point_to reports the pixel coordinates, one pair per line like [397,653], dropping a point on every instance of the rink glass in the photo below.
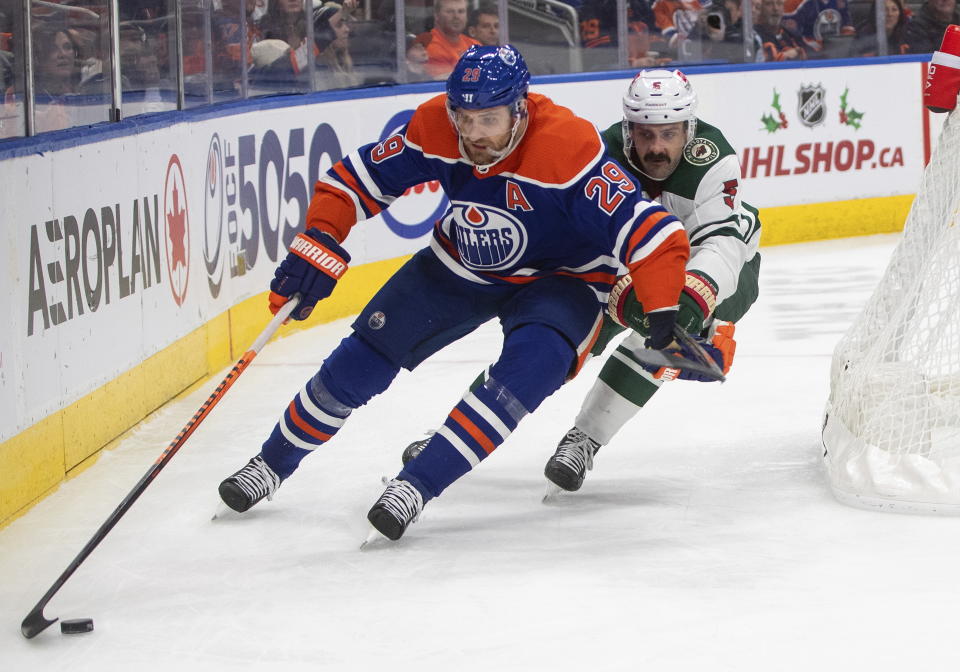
[179,54]
[72,65]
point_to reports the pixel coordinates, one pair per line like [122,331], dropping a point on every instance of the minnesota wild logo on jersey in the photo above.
[701,151]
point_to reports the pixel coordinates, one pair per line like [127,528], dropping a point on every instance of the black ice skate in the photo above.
[416,448]
[568,466]
[398,506]
[248,486]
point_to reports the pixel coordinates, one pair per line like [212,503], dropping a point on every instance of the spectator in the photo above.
[416,58]
[331,32]
[194,45]
[598,29]
[7,75]
[824,25]
[57,68]
[675,20]
[720,31]
[897,19]
[56,78]
[139,68]
[144,9]
[484,25]
[229,49]
[90,35]
[925,31]
[285,20]
[779,42]
[446,41]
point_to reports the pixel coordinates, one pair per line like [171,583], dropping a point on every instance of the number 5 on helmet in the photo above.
[313,265]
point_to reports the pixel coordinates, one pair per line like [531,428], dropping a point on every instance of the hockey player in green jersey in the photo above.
[693,171]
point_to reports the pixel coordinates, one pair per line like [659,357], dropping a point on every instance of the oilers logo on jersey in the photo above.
[487,238]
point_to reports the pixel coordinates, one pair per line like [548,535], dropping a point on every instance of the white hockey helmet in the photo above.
[659,97]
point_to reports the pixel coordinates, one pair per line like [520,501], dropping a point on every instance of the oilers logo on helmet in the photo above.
[488,239]
[508,55]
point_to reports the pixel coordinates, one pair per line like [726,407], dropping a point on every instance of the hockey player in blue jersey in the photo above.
[540,219]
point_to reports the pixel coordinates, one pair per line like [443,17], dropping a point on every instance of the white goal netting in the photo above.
[892,428]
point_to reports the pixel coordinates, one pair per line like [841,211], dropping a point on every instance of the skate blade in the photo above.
[374,540]
[552,493]
[224,512]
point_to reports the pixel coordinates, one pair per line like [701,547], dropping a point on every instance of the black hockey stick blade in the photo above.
[658,358]
[36,622]
[689,342]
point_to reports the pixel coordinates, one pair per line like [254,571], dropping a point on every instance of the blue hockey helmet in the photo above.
[488,76]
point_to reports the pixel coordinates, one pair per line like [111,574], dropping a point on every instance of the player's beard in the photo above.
[484,155]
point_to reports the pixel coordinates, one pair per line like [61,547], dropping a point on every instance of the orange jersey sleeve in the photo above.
[658,274]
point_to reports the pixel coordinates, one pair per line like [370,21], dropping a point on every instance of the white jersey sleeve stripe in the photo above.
[339,186]
[445,159]
[360,170]
[625,231]
[651,245]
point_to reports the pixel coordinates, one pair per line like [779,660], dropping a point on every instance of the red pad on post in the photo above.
[943,74]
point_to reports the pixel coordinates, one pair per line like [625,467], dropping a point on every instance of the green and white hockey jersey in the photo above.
[704,193]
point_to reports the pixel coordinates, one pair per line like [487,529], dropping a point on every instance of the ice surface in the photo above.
[705,539]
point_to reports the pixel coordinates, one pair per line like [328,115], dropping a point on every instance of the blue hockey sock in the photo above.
[352,374]
[534,362]
[482,420]
[310,420]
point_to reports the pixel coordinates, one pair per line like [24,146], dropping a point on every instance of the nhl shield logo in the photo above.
[811,105]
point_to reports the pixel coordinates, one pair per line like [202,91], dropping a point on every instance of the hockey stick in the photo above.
[690,343]
[35,622]
[704,364]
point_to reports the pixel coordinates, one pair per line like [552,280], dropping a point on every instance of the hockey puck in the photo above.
[76,626]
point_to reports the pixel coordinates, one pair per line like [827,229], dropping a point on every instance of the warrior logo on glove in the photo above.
[312,267]
[319,256]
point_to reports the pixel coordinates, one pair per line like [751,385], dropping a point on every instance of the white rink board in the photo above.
[826,161]
[241,189]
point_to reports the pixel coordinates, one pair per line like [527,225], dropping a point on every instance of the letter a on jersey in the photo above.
[515,198]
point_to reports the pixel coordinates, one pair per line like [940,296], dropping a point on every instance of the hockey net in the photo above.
[891,433]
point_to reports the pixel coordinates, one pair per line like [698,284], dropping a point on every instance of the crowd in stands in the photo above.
[683,31]
[275,45]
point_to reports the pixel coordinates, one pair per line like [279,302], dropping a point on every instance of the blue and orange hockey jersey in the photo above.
[557,204]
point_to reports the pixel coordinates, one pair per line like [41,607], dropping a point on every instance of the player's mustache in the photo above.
[650,156]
